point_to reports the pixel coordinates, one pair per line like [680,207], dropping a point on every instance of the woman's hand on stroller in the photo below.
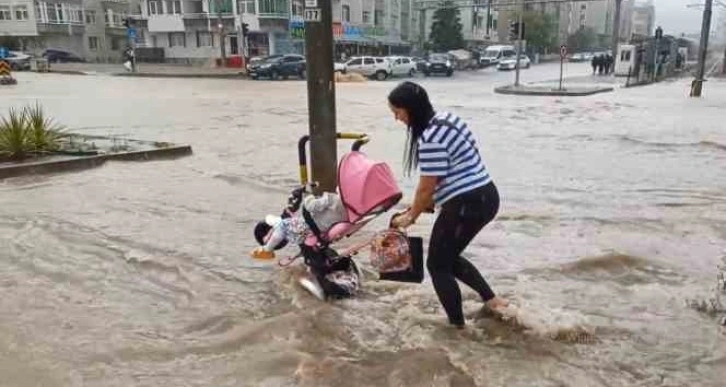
[402,219]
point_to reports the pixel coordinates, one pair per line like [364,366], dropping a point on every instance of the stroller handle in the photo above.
[360,140]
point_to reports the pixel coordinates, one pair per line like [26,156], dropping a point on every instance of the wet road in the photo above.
[613,213]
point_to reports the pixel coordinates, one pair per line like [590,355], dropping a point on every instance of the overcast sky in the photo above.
[675,18]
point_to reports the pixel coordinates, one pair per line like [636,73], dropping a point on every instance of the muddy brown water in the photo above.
[614,212]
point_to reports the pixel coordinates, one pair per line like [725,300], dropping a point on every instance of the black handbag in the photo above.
[415,272]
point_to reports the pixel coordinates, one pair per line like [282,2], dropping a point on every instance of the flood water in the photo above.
[613,214]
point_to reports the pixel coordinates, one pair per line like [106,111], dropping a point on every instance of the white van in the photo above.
[493,54]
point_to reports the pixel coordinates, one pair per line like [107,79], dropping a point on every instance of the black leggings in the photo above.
[461,218]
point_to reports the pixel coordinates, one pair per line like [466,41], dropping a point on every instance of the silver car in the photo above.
[18,60]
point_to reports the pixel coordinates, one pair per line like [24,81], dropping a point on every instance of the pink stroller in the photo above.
[367,189]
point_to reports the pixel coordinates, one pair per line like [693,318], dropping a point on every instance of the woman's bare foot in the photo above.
[497,304]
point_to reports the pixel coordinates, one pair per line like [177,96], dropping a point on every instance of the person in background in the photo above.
[453,176]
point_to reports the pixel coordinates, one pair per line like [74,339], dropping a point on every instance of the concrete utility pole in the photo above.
[321,93]
[616,28]
[697,85]
[422,27]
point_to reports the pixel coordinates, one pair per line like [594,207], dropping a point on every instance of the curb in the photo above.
[509,90]
[238,76]
[63,72]
[81,163]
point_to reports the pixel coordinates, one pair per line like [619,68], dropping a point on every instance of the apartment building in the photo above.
[644,19]
[474,20]
[190,30]
[88,28]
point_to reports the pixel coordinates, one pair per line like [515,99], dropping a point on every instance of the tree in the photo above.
[446,29]
[540,31]
[584,39]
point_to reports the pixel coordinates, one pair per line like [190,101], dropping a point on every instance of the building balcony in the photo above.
[115,29]
[274,15]
[166,23]
[210,15]
[61,28]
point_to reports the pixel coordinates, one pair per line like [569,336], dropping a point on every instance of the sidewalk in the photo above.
[147,70]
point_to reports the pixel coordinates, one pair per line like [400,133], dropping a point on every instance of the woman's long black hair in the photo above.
[414,99]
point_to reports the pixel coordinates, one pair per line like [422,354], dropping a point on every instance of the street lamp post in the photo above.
[616,28]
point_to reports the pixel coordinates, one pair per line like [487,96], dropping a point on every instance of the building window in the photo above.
[378,18]
[297,8]
[274,7]
[154,7]
[76,16]
[173,7]
[5,13]
[117,19]
[154,41]
[21,12]
[177,39]
[346,13]
[116,43]
[204,39]
[366,17]
[90,17]
[92,43]
[55,13]
[248,6]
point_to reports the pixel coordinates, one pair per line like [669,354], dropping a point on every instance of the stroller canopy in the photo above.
[366,187]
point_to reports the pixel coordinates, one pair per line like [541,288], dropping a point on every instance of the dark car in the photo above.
[439,64]
[420,64]
[61,56]
[280,66]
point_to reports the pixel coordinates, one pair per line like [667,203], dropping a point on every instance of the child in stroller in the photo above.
[366,190]
[334,276]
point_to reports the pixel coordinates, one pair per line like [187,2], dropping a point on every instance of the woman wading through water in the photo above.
[454,178]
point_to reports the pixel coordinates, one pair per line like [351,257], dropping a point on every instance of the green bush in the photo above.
[27,133]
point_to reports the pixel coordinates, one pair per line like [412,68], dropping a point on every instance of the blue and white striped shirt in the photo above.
[449,151]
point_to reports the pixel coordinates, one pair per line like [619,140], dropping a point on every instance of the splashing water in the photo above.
[715,304]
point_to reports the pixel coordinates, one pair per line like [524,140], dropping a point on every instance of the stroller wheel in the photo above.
[311,285]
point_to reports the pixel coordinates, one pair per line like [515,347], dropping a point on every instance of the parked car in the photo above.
[378,68]
[401,65]
[510,63]
[493,54]
[463,60]
[279,66]
[439,64]
[339,67]
[581,57]
[61,56]
[420,64]
[18,60]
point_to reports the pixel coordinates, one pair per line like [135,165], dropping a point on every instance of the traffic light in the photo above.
[514,30]
[245,29]
[659,33]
